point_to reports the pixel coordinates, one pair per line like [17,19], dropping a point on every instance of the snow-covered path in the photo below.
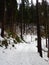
[23,54]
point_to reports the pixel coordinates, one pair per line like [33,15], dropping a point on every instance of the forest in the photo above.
[23,18]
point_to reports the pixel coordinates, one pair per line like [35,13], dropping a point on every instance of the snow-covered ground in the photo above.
[22,53]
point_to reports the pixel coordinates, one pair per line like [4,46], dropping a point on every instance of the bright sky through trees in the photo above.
[34,1]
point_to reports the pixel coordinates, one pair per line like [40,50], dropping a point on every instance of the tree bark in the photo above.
[48,38]
[2,29]
[46,35]
[38,30]
[2,25]
[24,28]
[21,31]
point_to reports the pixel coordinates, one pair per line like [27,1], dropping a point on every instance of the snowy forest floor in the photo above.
[22,53]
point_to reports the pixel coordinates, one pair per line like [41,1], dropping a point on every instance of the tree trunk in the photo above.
[2,29]
[2,26]
[48,45]
[13,18]
[24,28]
[39,40]
[38,30]
[21,31]
[48,38]
[46,35]
[46,41]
